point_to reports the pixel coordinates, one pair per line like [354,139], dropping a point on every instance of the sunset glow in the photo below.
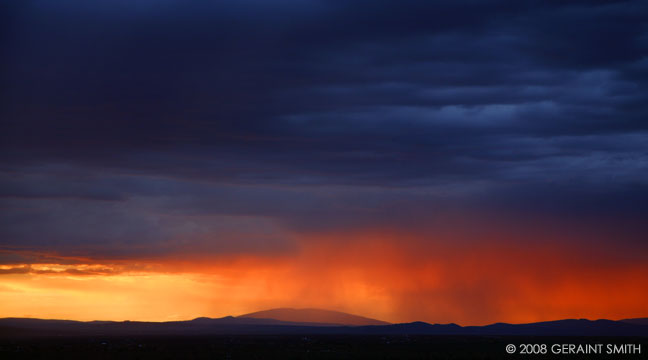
[404,161]
[374,277]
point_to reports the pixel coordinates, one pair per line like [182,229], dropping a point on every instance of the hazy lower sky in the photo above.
[406,160]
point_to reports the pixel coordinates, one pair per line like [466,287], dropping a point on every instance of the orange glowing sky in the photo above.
[368,274]
[401,160]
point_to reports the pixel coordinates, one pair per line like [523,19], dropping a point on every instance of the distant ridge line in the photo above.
[12,327]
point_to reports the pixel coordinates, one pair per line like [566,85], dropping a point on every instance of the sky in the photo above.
[439,161]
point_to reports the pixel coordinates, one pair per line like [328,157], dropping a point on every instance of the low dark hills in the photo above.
[640,321]
[251,324]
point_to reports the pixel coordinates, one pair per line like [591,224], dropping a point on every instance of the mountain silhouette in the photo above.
[318,322]
[310,315]
[638,321]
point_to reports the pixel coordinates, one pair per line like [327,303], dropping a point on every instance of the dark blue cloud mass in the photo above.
[137,127]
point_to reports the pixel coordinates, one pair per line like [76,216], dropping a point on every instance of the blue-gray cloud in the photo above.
[235,126]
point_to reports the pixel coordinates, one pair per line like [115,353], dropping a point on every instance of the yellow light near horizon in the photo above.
[232,289]
[150,297]
[381,280]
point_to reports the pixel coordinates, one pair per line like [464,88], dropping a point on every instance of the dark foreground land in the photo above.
[300,347]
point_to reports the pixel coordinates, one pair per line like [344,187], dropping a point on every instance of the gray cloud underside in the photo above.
[152,127]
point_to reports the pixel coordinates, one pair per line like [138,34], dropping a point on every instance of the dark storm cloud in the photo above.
[128,125]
